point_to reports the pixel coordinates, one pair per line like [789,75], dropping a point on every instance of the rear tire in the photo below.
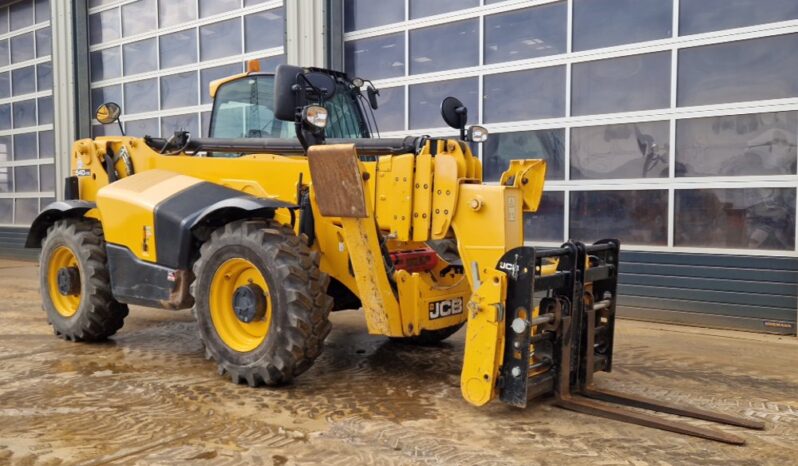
[89,312]
[291,307]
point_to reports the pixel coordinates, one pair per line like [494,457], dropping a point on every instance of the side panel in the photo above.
[134,281]
[127,207]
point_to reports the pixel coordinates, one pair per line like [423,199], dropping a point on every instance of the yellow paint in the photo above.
[62,257]
[422,197]
[528,176]
[444,194]
[127,208]
[394,196]
[500,208]
[418,291]
[239,336]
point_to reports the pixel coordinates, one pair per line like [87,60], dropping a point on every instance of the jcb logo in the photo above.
[445,308]
[508,267]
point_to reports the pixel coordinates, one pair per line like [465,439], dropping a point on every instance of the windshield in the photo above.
[244,108]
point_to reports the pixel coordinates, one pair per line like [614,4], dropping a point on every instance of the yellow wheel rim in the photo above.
[65,305]
[239,335]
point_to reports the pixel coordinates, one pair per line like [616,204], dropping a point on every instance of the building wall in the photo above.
[670,125]
[156,58]
[27,173]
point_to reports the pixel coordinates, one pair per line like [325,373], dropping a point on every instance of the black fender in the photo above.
[53,212]
[179,218]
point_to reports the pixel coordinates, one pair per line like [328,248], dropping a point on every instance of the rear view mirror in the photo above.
[295,88]
[108,113]
[455,114]
[372,93]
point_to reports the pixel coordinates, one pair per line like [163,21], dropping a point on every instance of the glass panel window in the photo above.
[604,23]
[421,8]
[3,20]
[208,75]
[25,211]
[253,2]
[21,14]
[363,14]
[529,33]
[106,64]
[26,179]
[4,56]
[23,80]
[444,47]
[425,101]
[46,144]
[220,39]
[640,82]
[633,150]
[748,218]
[105,130]
[5,186]
[376,57]
[141,96]
[140,57]
[24,113]
[270,64]
[43,42]
[44,76]
[390,114]
[47,177]
[264,30]
[174,12]
[42,10]
[737,145]
[179,90]
[5,116]
[755,69]
[545,97]
[696,16]
[45,111]
[25,146]
[5,85]
[206,124]
[104,26]
[22,48]
[178,48]
[5,149]
[6,205]
[546,144]
[138,17]
[141,128]
[106,94]
[215,7]
[634,216]
[188,123]
[548,222]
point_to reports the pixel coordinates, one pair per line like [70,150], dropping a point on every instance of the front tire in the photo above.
[260,302]
[75,282]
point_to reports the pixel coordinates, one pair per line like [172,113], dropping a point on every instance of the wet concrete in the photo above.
[149,397]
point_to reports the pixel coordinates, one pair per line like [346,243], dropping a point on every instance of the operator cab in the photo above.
[244,106]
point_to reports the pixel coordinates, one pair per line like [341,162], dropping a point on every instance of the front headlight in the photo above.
[477,134]
[315,115]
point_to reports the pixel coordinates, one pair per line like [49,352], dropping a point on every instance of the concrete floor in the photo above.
[149,397]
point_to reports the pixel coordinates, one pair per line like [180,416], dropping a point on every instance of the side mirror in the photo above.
[296,88]
[455,114]
[372,94]
[108,113]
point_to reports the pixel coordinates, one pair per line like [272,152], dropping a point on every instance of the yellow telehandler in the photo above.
[291,209]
